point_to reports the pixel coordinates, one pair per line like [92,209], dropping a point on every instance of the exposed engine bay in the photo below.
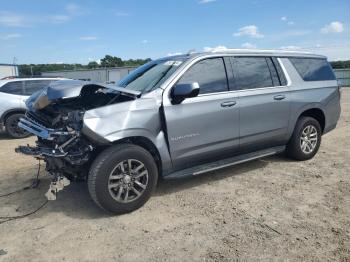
[55,115]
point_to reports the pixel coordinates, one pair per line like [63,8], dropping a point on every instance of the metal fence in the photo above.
[343,75]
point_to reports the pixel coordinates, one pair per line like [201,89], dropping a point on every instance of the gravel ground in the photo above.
[269,209]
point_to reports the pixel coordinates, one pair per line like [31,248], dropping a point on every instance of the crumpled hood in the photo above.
[65,89]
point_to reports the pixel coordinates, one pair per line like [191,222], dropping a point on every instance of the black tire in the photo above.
[12,128]
[106,163]
[294,147]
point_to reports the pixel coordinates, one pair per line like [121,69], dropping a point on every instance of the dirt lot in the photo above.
[270,209]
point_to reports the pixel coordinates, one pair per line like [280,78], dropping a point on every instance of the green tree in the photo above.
[340,64]
[27,70]
[93,64]
[111,61]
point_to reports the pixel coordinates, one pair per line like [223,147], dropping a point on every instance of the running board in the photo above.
[208,167]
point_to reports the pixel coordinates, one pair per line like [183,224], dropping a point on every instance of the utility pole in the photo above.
[15,69]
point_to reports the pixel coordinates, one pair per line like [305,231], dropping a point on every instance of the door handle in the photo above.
[228,104]
[279,97]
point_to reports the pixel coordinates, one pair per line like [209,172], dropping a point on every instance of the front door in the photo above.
[204,127]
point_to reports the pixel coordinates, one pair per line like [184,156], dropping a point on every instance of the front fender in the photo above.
[136,118]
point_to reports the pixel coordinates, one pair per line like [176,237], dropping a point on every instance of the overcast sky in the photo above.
[81,31]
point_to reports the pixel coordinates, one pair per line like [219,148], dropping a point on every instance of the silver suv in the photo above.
[181,116]
[13,93]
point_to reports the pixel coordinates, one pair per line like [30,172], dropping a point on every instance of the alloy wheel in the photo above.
[128,180]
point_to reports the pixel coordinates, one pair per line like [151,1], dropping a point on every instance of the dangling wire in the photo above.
[34,184]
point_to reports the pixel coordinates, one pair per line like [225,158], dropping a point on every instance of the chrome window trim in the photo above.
[171,81]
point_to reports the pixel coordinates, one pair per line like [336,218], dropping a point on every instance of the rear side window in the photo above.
[210,75]
[15,88]
[31,86]
[251,72]
[313,69]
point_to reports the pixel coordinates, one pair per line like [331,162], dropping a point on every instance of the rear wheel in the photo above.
[306,139]
[12,128]
[122,178]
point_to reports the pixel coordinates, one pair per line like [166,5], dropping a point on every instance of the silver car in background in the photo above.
[181,116]
[13,93]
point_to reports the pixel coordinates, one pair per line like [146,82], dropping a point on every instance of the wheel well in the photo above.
[317,114]
[11,112]
[148,145]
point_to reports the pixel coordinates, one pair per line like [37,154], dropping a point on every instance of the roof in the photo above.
[274,52]
[27,79]
[271,52]
[7,64]
[91,69]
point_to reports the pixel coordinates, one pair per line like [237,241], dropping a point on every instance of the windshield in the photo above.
[150,76]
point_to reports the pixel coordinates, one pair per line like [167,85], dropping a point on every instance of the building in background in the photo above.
[343,76]
[99,75]
[8,70]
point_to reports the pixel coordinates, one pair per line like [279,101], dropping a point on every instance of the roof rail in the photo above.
[246,50]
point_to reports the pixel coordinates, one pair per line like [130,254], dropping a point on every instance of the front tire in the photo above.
[122,178]
[306,139]
[12,128]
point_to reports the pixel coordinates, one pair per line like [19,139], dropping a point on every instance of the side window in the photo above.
[210,75]
[31,86]
[313,69]
[15,88]
[251,72]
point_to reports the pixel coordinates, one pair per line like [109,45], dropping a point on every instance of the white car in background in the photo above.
[13,94]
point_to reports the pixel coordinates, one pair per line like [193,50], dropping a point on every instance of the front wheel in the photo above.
[306,139]
[122,178]
[12,128]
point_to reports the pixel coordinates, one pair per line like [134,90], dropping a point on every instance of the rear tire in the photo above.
[306,139]
[12,128]
[122,178]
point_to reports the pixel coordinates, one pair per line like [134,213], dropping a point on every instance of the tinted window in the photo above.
[251,72]
[313,69]
[15,88]
[209,73]
[32,86]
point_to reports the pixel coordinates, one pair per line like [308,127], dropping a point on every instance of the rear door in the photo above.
[264,102]
[206,126]
[10,96]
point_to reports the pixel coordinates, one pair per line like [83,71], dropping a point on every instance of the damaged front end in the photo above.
[55,115]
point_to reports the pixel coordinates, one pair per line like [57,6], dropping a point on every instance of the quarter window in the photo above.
[15,88]
[313,69]
[210,75]
[251,72]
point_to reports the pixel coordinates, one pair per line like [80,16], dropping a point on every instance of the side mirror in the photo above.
[182,91]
